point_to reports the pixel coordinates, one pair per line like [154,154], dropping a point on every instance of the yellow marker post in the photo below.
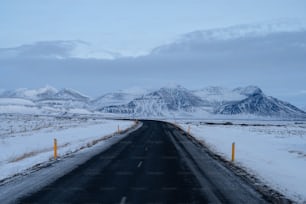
[233,151]
[55,149]
[189,130]
[118,131]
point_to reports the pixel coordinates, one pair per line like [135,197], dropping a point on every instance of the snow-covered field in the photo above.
[275,152]
[27,140]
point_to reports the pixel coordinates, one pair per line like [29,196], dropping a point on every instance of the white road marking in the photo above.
[123,200]
[139,165]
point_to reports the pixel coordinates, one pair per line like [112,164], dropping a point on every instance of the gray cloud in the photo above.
[44,49]
[60,49]
[269,47]
[245,30]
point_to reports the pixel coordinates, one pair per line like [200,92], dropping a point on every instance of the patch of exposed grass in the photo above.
[34,153]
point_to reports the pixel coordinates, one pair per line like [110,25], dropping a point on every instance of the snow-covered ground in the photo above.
[275,152]
[27,140]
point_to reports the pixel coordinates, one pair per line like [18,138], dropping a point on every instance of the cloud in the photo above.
[246,30]
[59,49]
[44,49]
[87,52]
[262,40]
[239,42]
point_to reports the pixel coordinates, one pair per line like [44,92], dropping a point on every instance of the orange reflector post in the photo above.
[233,151]
[55,149]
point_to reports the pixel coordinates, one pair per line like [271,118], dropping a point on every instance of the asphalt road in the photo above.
[155,164]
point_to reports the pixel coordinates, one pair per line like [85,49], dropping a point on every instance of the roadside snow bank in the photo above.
[275,153]
[21,151]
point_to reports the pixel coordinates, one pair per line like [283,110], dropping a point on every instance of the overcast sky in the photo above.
[97,46]
[133,26]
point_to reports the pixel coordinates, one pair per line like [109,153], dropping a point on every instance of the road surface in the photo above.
[155,164]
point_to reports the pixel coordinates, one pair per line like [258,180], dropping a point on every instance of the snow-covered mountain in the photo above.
[171,101]
[44,100]
[64,99]
[69,94]
[31,94]
[118,98]
[257,103]
[248,91]
[46,93]
[218,95]
[161,102]
[177,100]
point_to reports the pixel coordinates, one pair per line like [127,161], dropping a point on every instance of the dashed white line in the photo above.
[139,165]
[123,200]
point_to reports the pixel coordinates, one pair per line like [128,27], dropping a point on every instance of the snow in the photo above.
[16,101]
[32,93]
[29,93]
[120,97]
[53,106]
[273,151]
[26,141]
[19,109]
[80,111]
[137,102]
[218,94]
[112,99]
[247,91]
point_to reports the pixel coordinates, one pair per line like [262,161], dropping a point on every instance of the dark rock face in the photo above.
[159,103]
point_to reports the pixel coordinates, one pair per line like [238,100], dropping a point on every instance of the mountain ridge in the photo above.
[163,102]
[260,104]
